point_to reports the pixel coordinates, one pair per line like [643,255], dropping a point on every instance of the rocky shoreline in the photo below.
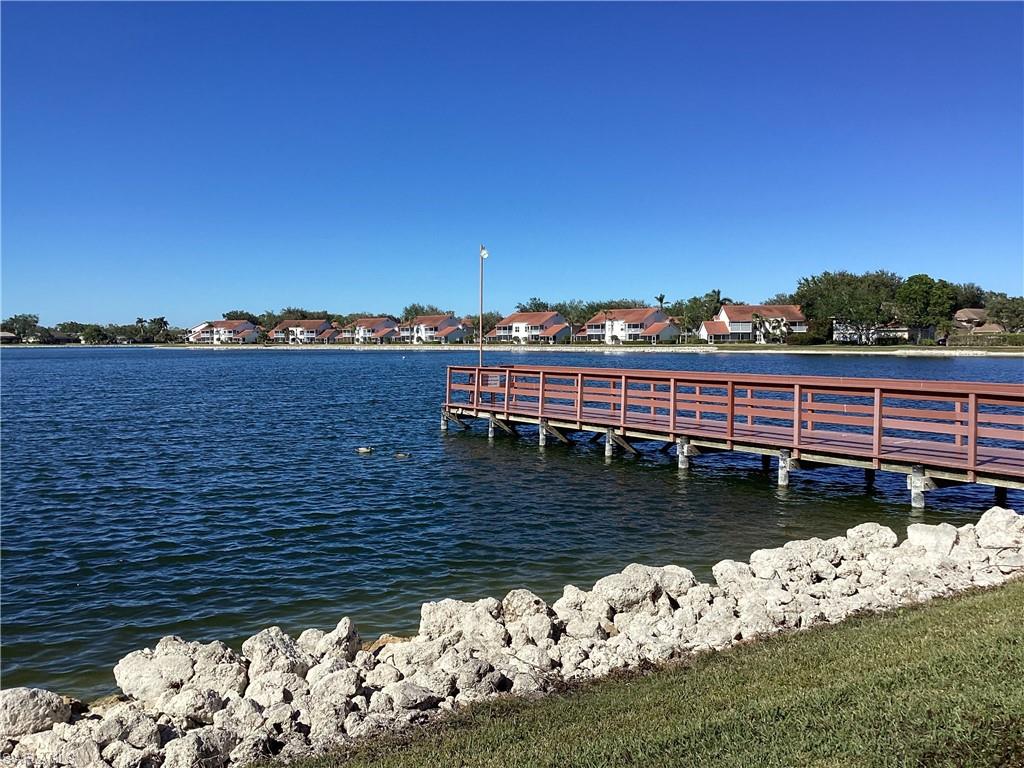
[189,704]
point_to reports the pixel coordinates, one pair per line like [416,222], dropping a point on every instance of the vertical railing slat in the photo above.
[798,397]
[622,415]
[972,435]
[876,427]
[540,396]
[672,407]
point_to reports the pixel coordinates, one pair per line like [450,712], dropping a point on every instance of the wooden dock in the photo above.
[935,432]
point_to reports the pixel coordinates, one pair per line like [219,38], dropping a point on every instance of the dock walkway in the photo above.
[936,432]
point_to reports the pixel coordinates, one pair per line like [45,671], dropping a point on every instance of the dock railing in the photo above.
[973,427]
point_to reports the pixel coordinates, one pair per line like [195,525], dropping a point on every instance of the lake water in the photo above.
[212,493]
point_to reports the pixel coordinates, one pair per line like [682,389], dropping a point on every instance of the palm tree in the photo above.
[660,298]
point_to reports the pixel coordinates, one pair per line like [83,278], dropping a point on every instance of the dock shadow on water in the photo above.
[155,492]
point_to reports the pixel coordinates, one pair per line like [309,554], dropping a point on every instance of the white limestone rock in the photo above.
[865,537]
[207,747]
[275,687]
[341,642]
[631,589]
[936,539]
[308,639]
[406,695]
[30,710]
[175,666]
[1000,528]
[273,650]
[338,686]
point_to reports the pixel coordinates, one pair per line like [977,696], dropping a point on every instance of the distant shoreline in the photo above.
[704,349]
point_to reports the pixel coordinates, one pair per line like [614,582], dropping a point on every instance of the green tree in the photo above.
[20,325]
[968,295]
[241,314]
[533,304]
[1008,311]
[416,310]
[660,298]
[95,334]
[913,302]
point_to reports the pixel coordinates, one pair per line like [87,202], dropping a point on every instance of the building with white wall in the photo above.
[760,323]
[374,330]
[530,328]
[298,331]
[224,332]
[615,326]
[428,329]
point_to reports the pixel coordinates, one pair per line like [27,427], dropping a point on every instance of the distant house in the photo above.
[333,335]
[614,326]
[427,329]
[760,323]
[298,331]
[6,337]
[224,332]
[374,330]
[530,328]
[664,332]
[975,320]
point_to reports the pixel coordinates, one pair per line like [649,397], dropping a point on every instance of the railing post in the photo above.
[798,397]
[622,416]
[540,397]
[672,406]
[961,418]
[579,397]
[876,427]
[972,435]
[508,385]
[730,405]
[476,390]
[810,406]
[448,387]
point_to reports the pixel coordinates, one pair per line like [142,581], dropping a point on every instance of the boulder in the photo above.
[175,665]
[341,642]
[406,695]
[273,650]
[207,747]
[30,710]
[128,723]
[1000,529]
[935,539]
[868,536]
[276,687]
[635,587]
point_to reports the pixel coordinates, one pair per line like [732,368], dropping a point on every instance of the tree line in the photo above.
[858,301]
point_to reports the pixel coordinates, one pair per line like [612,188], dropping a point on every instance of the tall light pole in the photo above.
[480,319]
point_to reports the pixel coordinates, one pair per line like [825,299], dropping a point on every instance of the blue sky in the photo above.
[185,159]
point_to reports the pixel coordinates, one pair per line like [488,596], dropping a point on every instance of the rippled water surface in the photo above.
[211,493]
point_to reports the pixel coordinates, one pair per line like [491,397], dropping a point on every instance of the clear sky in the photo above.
[185,159]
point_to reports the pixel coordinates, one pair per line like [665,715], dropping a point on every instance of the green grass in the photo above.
[937,685]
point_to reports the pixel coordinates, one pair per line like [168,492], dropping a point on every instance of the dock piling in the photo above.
[784,463]
[609,443]
[1000,496]
[869,477]
[918,483]
[490,428]
[444,422]
[542,434]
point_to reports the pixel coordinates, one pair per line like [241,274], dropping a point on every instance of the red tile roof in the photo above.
[229,324]
[656,328]
[430,320]
[448,330]
[309,325]
[716,327]
[554,330]
[744,313]
[371,322]
[531,318]
[385,331]
[625,315]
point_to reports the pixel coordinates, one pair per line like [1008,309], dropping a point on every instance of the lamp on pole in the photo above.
[480,319]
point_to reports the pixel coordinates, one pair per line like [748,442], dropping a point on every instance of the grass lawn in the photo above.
[936,685]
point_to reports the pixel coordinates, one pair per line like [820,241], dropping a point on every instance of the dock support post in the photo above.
[444,422]
[609,443]
[918,483]
[784,467]
[869,477]
[766,462]
[683,452]
[490,427]
[1000,496]
[542,435]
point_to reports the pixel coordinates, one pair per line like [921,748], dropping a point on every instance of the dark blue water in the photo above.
[211,493]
